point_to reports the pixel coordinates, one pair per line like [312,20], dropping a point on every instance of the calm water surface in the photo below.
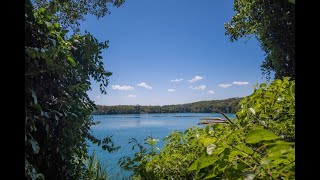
[123,127]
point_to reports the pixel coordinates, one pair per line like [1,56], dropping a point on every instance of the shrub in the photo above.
[258,144]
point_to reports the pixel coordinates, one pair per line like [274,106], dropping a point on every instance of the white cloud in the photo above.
[132,96]
[201,87]
[211,92]
[98,97]
[143,84]
[171,90]
[240,83]
[176,80]
[224,85]
[122,88]
[196,78]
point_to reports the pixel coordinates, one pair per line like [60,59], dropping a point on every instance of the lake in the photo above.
[123,127]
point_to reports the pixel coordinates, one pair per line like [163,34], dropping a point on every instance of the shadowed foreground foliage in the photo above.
[57,109]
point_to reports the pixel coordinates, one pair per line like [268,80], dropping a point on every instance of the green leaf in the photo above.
[203,162]
[35,145]
[279,150]
[72,62]
[258,135]
[206,129]
[56,25]
[41,10]
[279,143]
[245,148]
[194,166]
[206,141]
[292,1]
[211,174]
[219,150]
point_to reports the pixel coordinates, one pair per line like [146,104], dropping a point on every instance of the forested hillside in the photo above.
[226,106]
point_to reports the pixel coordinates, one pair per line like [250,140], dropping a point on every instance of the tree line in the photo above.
[227,106]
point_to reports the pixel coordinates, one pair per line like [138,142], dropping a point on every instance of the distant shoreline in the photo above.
[229,105]
[163,113]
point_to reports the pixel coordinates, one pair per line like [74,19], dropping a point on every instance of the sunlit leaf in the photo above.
[258,135]
[203,162]
[71,60]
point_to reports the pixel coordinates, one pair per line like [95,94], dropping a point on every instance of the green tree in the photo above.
[273,24]
[226,105]
[58,111]
[71,12]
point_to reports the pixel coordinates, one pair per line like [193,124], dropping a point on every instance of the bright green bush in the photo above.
[259,144]
[271,106]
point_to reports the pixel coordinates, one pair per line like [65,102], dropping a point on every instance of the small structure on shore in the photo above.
[212,120]
[215,120]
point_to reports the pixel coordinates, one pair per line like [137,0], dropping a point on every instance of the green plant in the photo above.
[58,110]
[137,163]
[258,144]
[95,170]
[272,107]
[272,22]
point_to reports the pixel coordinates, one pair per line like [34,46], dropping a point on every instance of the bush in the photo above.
[258,144]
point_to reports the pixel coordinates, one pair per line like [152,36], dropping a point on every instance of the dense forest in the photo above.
[227,106]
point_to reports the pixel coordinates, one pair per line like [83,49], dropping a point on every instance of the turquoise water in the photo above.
[123,127]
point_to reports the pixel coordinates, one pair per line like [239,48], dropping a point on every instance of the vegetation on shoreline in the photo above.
[227,106]
[259,144]
[58,70]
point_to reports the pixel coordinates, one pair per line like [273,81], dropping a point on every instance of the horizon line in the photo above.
[170,104]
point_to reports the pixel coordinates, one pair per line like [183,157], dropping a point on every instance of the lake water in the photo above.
[123,127]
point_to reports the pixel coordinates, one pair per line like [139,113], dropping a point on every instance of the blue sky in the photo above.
[153,42]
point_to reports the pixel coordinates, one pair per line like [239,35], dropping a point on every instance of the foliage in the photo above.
[71,12]
[57,109]
[226,105]
[273,24]
[138,162]
[176,156]
[272,107]
[95,170]
[256,145]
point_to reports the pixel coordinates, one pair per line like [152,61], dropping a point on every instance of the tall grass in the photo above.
[96,170]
